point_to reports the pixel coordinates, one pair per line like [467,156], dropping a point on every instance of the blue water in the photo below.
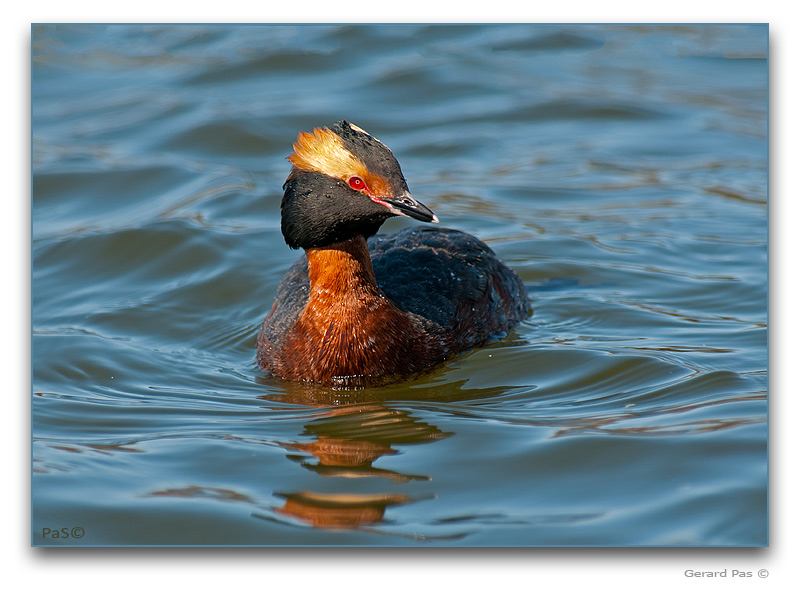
[620,170]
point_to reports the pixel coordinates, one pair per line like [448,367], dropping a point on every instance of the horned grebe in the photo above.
[359,309]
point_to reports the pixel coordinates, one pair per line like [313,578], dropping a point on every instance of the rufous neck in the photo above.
[343,266]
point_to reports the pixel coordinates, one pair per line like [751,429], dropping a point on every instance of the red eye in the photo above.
[356,183]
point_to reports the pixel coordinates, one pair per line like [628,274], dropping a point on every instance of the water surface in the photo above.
[620,170]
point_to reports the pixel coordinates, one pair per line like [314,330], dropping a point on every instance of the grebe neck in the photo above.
[348,330]
[342,270]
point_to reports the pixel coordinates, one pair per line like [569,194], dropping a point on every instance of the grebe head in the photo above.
[343,183]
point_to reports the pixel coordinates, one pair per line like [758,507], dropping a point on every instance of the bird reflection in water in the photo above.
[347,441]
[339,510]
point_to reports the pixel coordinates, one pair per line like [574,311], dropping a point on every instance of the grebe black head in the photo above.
[343,183]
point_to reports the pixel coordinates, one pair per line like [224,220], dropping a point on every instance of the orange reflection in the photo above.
[347,440]
[339,510]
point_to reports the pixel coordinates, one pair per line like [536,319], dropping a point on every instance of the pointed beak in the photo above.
[408,206]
